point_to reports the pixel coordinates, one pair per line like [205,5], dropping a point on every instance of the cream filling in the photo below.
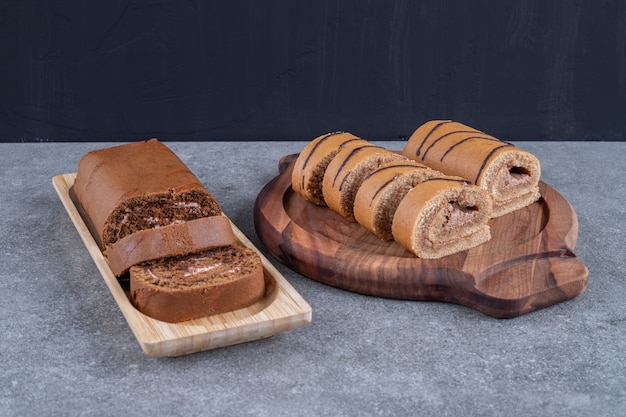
[514,178]
[192,271]
[155,222]
[192,204]
[458,216]
[450,224]
[195,270]
[508,183]
[152,274]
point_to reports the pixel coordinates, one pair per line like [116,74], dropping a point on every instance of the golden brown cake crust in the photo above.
[381,192]
[428,212]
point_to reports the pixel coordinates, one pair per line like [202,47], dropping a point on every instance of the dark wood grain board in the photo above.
[527,265]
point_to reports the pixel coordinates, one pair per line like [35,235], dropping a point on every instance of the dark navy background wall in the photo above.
[120,70]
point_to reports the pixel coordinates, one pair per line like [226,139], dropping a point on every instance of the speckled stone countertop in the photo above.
[67,350]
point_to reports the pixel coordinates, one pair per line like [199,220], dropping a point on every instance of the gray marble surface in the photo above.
[66,349]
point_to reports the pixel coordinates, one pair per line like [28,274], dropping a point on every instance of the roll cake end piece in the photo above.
[309,168]
[512,179]
[510,174]
[442,216]
[138,186]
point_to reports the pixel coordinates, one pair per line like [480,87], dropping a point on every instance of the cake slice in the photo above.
[176,239]
[441,216]
[510,174]
[346,172]
[430,213]
[308,170]
[211,282]
[382,190]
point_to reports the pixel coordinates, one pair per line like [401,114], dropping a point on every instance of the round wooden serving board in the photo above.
[528,264]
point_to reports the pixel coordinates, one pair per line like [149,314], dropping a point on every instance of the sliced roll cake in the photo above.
[176,239]
[441,216]
[138,186]
[346,172]
[426,211]
[383,189]
[510,174]
[202,284]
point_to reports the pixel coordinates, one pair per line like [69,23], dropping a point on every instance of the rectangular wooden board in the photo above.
[281,309]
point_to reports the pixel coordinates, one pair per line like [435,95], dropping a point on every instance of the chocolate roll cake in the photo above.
[198,285]
[158,223]
[308,170]
[138,186]
[511,175]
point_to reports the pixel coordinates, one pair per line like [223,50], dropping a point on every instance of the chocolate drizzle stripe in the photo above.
[493,151]
[384,168]
[324,139]
[343,163]
[348,141]
[339,147]
[488,138]
[388,167]
[306,161]
[466,182]
[382,187]
[437,126]
[445,136]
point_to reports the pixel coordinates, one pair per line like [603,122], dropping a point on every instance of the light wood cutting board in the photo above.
[527,265]
[281,308]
